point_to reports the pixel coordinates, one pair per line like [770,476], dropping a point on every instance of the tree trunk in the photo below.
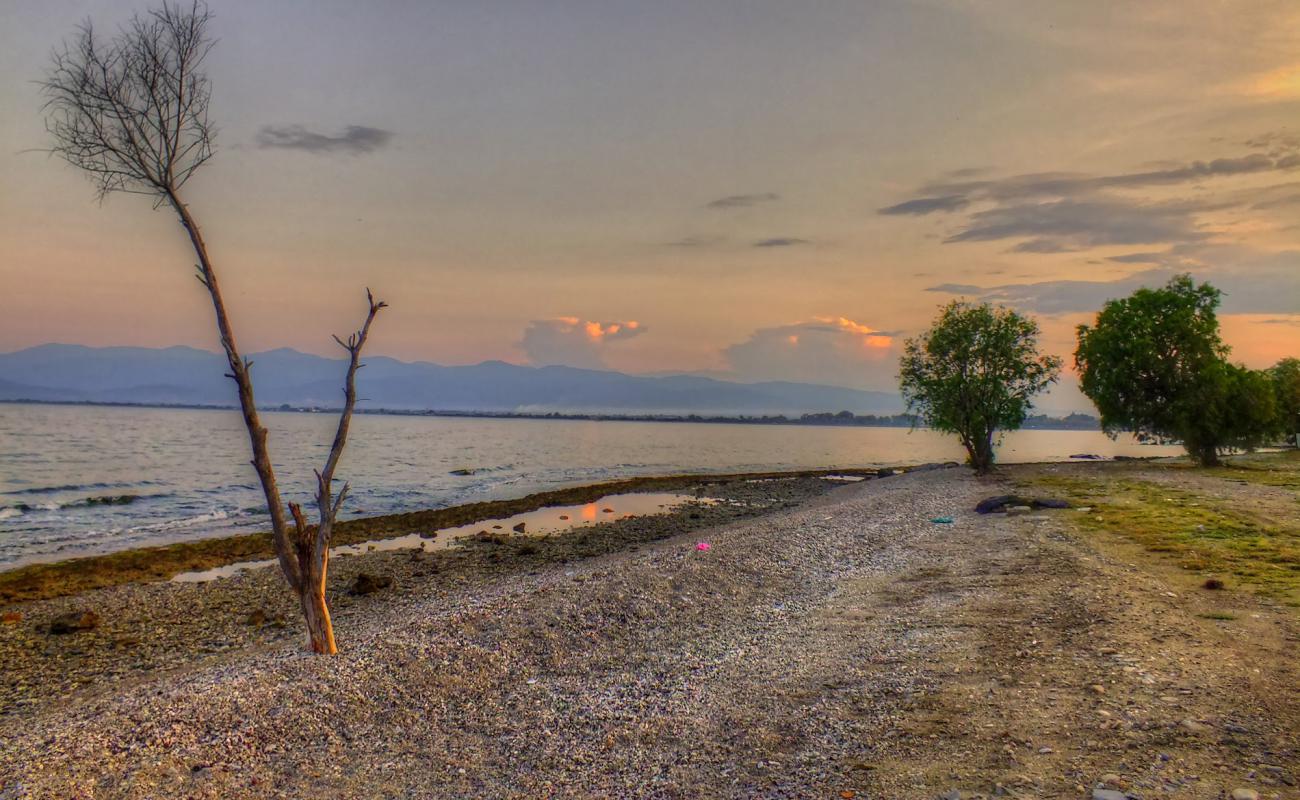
[317,615]
[304,557]
[980,453]
[239,372]
[1208,455]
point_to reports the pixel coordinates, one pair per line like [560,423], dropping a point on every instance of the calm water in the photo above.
[190,468]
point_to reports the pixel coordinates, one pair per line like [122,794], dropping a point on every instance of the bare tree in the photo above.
[133,113]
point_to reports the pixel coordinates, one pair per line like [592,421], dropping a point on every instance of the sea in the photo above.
[78,479]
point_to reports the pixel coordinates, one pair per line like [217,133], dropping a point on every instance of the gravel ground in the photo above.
[846,647]
[148,628]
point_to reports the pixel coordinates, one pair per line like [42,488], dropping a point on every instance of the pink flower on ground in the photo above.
[703,546]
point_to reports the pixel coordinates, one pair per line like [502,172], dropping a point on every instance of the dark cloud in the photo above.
[355,139]
[781,241]
[574,342]
[1139,258]
[1253,282]
[1038,185]
[1064,225]
[928,205]
[743,200]
[1054,212]
[957,288]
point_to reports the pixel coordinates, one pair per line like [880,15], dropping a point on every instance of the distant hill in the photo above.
[187,376]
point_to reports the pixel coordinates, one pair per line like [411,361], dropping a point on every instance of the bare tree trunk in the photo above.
[134,116]
[239,372]
[317,615]
[304,555]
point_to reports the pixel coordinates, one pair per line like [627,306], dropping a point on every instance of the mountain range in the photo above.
[188,376]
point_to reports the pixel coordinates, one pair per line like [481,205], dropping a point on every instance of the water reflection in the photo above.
[540,523]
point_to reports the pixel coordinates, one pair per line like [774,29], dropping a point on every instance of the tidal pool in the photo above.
[539,523]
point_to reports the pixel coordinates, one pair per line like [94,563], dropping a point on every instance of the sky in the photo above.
[748,189]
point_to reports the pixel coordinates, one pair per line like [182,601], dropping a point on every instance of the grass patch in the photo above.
[1202,534]
[1264,469]
[1219,615]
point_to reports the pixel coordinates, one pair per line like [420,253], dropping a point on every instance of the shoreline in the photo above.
[144,628]
[821,419]
[50,579]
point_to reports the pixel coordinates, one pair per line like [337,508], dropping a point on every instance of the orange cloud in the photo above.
[826,349]
[573,341]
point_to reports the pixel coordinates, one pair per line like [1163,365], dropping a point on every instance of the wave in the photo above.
[75,487]
[9,512]
[215,515]
[466,471]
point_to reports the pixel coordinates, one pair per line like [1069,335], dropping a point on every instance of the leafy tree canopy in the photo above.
[1286,386]
[974,373]
[1153,363]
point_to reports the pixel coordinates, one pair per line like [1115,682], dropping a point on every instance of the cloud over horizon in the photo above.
[354,140]
[828,350]
[574,342]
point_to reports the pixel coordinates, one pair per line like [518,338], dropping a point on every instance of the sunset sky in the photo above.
[751,189]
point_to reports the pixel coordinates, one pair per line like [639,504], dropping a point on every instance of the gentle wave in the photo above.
[75,487]
[9,512]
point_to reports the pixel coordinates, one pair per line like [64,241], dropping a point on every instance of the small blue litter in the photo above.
[942,520]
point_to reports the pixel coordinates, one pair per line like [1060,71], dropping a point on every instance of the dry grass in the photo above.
[1210,525]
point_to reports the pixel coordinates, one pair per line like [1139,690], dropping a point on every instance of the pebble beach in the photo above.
[839,644]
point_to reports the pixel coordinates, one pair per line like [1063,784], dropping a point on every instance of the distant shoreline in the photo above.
[1074,422]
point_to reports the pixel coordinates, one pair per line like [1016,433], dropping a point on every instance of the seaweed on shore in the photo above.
[145,564]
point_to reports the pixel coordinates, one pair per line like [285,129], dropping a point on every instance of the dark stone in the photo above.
[1087,456]
[365,583]
[999,502]
[461,472]
[886,473]
[1213,584]
[519,528]
[112,500]
[1050,502]
[933,466]
[74,621]
[1002,502]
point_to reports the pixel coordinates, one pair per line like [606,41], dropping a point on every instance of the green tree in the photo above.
[1286,387]
[1153,363]
[974,373]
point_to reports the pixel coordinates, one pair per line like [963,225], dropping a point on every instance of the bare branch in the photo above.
[325,477]
[133,112]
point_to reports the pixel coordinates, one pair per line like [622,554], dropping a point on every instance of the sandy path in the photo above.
[848,647]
